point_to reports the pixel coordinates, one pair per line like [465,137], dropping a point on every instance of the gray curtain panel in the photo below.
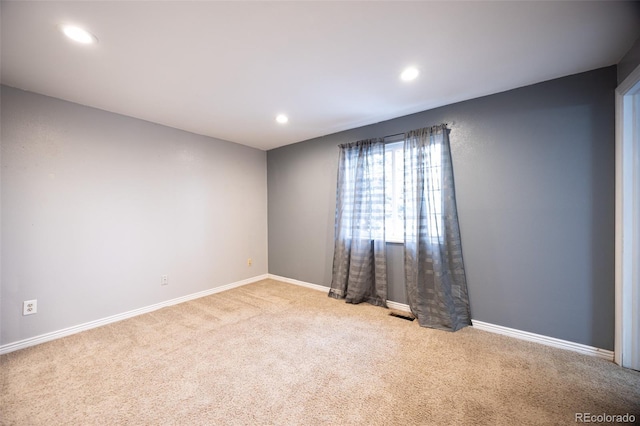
[359,259]
[433,265]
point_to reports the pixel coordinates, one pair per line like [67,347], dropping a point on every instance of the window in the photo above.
[433,191]
[394,191]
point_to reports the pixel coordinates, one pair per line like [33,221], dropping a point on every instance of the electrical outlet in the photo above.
[164,280]
[30,307]
[249,262]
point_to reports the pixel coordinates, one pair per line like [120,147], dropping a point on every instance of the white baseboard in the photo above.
[545,340]
[480,325]
[398,306]
[390,304]
[297,282]
[511,332]
[32,341]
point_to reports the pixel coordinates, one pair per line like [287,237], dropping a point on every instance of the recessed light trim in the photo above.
[79,35]
[282,119]
[409,74]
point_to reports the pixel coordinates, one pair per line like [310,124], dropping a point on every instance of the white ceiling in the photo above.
[226,69]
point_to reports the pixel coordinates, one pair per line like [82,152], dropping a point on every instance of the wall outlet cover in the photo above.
[30,307]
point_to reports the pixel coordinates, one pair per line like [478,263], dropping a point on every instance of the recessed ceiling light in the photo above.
[409,74]
[78,34]
[282,118]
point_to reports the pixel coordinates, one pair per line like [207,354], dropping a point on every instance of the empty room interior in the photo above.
[209,211]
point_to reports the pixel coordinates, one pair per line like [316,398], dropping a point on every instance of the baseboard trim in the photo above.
[47,337]
[545,340]
[398,306]
[298,282]
[480,325]
[485,326]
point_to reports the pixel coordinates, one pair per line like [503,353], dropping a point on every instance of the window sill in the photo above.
[394,241]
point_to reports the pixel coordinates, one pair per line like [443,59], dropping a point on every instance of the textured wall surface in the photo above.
[535,179]
[97,206]
[629,62]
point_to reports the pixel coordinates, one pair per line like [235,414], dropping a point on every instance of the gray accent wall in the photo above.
[535,178]
[629,62]
[97,206]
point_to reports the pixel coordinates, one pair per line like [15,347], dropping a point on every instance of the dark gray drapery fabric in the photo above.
[434,270]
[359,260]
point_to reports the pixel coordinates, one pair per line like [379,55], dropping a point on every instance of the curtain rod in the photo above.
[400,134]
[390,136]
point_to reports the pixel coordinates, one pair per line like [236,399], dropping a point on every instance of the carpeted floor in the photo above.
[279,354]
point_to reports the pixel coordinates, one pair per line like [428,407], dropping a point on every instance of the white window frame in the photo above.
[394,231]
[394,224]
[627,279]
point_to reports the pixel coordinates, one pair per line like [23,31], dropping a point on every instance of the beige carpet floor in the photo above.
[276,354]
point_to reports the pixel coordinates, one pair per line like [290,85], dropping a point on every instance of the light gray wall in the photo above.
[97,206]
[629,62]
[535,178]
